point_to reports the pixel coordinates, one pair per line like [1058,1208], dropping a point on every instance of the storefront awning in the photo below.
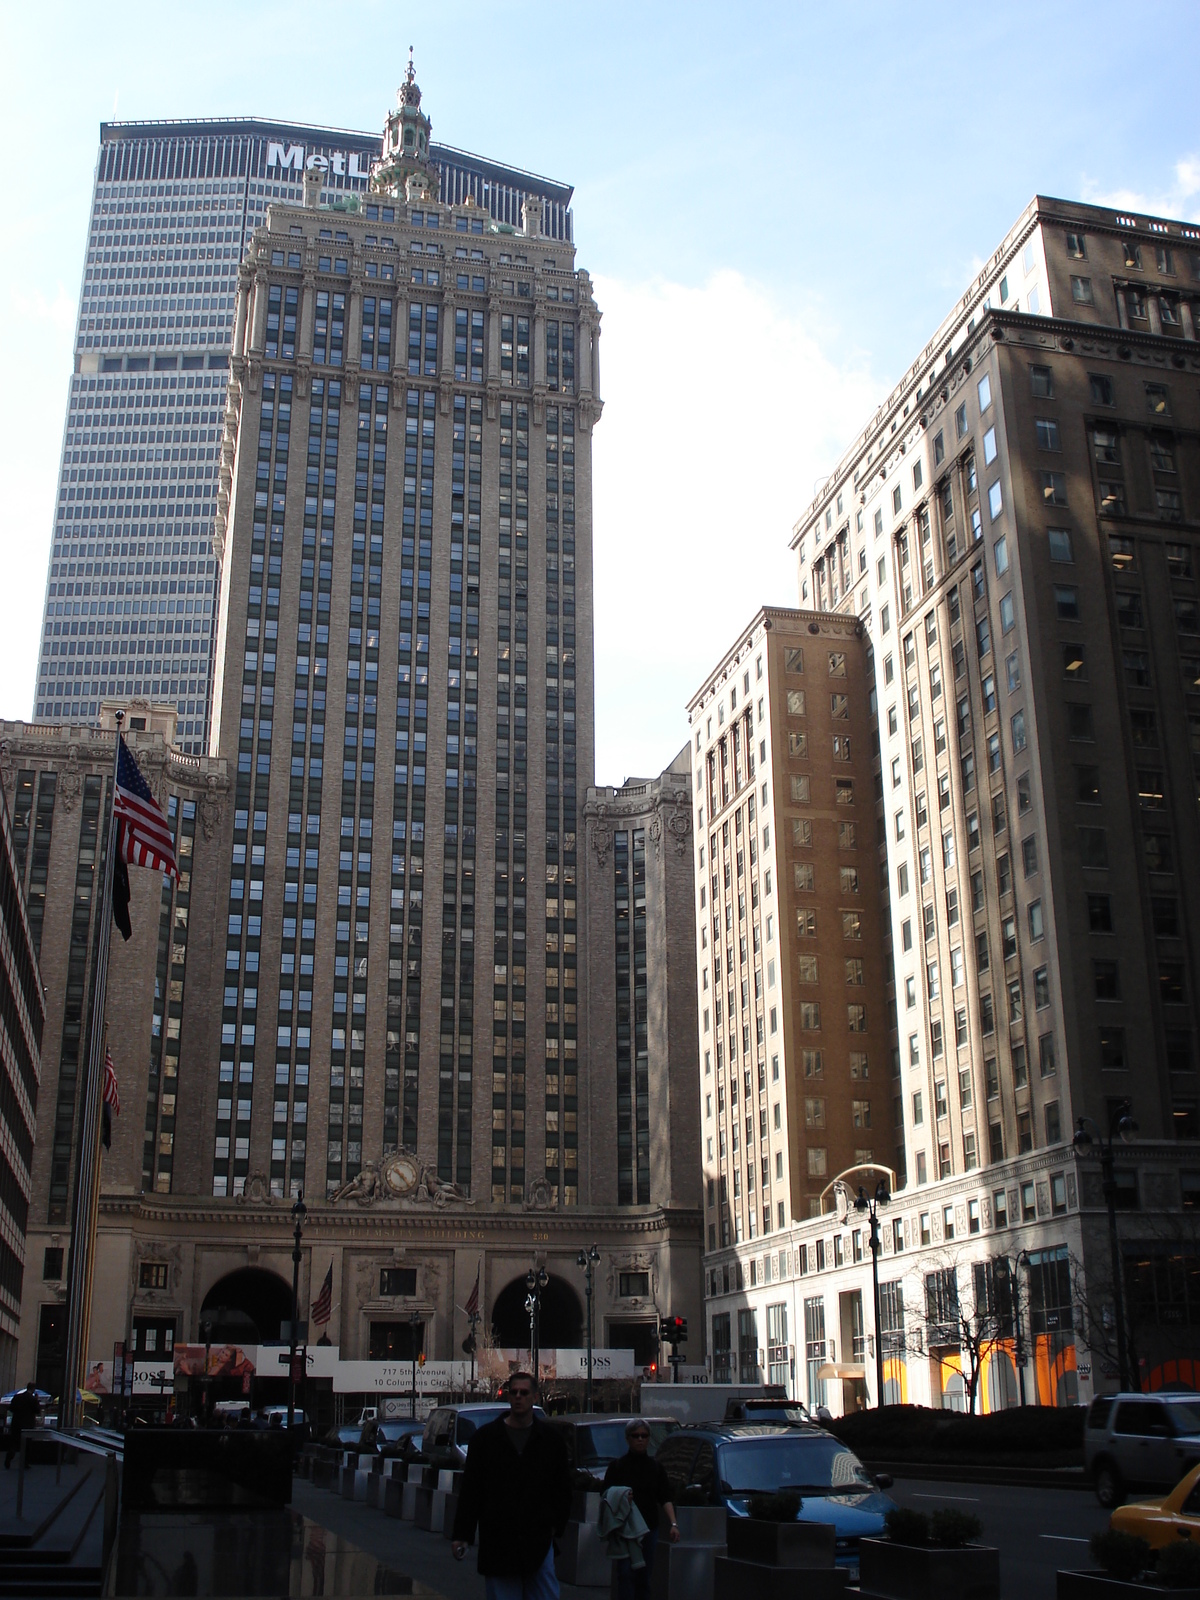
[842,1369]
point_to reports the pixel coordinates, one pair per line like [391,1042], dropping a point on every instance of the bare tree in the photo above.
[958,1330]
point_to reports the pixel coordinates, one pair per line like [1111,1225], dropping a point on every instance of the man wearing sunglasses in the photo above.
[516,1490]
[638,1470]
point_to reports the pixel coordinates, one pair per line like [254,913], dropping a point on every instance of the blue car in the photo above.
[724,1463]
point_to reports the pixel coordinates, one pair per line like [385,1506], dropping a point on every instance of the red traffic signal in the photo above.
[673,1330]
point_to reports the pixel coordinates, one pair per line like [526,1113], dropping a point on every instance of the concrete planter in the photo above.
[781,1544]
[430,1509]
[1099,1586]
[582,1558]
[735,1580]
[890,1571]
[451,1510]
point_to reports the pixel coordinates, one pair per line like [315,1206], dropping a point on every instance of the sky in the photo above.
[778,204]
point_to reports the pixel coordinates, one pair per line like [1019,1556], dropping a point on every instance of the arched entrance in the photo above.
[561,1320]
[245,1307]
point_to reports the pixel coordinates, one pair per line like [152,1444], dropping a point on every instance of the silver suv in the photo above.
[1140,1441]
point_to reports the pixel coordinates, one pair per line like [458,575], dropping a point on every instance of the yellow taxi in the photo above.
[1162,1522]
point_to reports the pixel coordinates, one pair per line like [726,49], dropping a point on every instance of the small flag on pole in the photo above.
[322,1306]
[472,1305]
[111,1106]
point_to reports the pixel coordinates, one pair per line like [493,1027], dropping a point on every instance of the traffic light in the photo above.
[673,1330]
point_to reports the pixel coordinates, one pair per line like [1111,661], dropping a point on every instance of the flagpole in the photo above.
[87,1180]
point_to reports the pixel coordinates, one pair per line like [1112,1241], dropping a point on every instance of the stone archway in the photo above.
[246,1306]
[561,1319]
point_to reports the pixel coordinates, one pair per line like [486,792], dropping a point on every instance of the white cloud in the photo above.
[722,410]
[1180,199]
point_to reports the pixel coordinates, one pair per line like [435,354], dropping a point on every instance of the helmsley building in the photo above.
[412,966]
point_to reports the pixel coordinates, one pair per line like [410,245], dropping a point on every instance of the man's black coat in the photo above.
[518,1500]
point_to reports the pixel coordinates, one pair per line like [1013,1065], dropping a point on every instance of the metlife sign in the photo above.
[286,158]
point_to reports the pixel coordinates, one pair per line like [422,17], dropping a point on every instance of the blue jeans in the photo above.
[539,1585]
[633,1583]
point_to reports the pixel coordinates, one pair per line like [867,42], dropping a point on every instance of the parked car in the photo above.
[1163,1522]
[1140,1441]
[401,1437]
[784,1411]
[360,1436]
[596,1438]
[724,1463]
[448,1430]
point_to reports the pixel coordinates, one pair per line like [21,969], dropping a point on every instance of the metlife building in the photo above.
[130,595]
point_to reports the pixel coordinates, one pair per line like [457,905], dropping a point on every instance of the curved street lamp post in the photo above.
[870,1206]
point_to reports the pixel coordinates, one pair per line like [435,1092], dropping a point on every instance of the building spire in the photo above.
[405,170]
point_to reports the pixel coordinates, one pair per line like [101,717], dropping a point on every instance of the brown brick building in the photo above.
[794,1023]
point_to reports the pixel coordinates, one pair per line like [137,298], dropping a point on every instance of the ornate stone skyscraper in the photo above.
[371,988]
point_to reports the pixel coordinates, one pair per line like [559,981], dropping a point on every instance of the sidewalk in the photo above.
[425,1556]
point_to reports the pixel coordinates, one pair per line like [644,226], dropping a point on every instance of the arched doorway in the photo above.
[245,1307]
[561,1320]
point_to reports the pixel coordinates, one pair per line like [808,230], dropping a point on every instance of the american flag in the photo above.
[112,1095]
[110,1099]
[322,1306]
[472,1305]
[145,837]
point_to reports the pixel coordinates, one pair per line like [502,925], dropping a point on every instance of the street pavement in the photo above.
[1037,1531]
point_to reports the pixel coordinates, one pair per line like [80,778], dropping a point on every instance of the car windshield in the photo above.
[814,1466]
[467,1424]
[1185,1414]
[599,1442]
[391,1431]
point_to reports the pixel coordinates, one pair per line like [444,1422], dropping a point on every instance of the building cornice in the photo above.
[393,1223]
[1041,210]
[825,624]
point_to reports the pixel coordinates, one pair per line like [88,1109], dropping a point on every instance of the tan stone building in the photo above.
[378,1002]
[1015,529]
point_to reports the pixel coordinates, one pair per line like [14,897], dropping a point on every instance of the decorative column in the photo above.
[307,303]
[258,337]
[1122,308]
[245,287]
[1185,319]
[1154,312]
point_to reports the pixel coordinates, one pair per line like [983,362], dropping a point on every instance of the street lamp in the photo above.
[1022,1259]
[299,1212]
[870,1206]
[414,1322]
[586,1260]
[206,1328]
[1120,1125]
[535,1282]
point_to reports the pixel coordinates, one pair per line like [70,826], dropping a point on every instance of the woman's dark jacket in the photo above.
[518,1501]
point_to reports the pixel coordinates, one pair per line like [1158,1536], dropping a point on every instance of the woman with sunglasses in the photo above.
[638,1470]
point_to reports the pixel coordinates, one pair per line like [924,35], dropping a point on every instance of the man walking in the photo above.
[516,1490]
[23,1411]
[638,1470]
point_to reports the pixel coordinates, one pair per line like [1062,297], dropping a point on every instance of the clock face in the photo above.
[400,1174]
